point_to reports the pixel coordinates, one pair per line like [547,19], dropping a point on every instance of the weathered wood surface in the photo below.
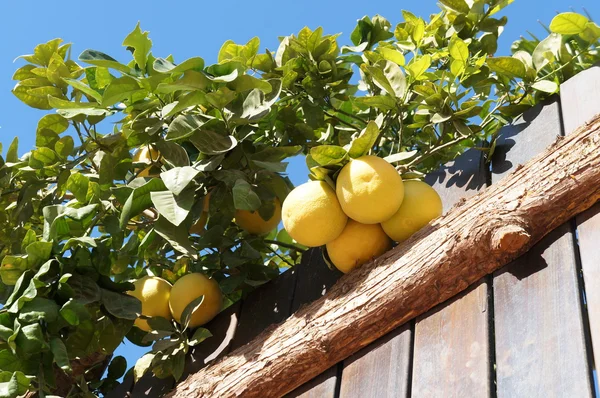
[269,304]
[314,279]
[580,99]
[381,369]
[452,350]
[539,333]
[480,236]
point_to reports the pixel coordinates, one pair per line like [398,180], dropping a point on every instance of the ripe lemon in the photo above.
[421,204]
[357,244]
[198,227]
[154,293]
[252,222]
[190,287]
[312,214]
[369,189]
[147,155]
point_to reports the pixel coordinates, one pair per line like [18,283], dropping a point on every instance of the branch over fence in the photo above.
[475,238]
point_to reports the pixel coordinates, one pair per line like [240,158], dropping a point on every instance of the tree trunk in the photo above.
[476,237]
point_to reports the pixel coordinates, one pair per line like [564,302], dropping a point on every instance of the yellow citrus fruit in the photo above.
[252,222]
[421,204]
[312,214]
[148,155]
[369,189]
[357,244]
[198,227]
[154,293]
[187,289]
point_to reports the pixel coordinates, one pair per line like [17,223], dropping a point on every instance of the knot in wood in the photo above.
[510,238]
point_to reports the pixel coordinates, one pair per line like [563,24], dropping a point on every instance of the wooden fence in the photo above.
[529,330]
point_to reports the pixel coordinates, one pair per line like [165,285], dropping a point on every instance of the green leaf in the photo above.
[12,154]
[9,361]
[460,6]
[74,312]
[548,49]
[173,208]
[389,77]
[165,66]
[38,252]
[501,4]
[392,55]
[141,45]
[140,199]
[78,184]
[85,289]
[178,178]
[121,305]
[84,88]
[59,351]
[458,49]
[36,97]
[176,236]
[44,155]
[186,315]
[142,366]
[212,143]
[117,368]
[418,66]
[199,336]
[81,241]
[64,147]
[120,89]
[13,385]
[97,58]
[39,309]
[275,154]
[507,66]
[382,102]
[53,122]
[183,126]
[362,144]
[244,198]
[221,98]
[328,155]
[247,83]
[546,86]
[568,23]
[30,339]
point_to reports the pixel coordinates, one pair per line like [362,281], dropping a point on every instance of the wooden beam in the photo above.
[476,237]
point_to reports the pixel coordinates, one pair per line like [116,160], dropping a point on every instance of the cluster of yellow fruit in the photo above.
[250,221]
[160,298]
[370,207]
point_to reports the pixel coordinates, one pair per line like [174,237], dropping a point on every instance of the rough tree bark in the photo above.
[476,237]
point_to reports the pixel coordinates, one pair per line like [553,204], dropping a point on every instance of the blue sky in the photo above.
[198,28]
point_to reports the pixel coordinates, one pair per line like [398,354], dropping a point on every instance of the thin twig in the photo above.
[287,245]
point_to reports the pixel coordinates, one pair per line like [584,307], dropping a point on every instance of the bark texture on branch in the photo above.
[476,237]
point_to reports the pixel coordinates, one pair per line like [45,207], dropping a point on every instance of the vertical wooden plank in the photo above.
[580,98]
[266,306]
[313,279]
[223,329]
[381,369]
[451,348]
[539,332]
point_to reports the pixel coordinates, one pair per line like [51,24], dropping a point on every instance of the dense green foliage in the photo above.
[78,223]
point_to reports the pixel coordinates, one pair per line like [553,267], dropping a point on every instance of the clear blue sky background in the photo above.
[198,28]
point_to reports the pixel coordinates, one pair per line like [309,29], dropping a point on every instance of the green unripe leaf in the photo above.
[507,66]
[568,23]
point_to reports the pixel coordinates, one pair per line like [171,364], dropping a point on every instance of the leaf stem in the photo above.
[286,245]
